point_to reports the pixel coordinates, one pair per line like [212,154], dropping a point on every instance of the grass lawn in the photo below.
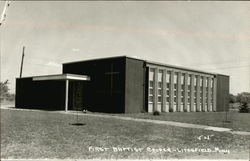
[7,103]
[34,134]
[238,121]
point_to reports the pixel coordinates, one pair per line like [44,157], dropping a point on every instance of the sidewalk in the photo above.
[169,123]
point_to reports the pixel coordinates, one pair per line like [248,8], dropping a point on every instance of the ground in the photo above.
[43,134]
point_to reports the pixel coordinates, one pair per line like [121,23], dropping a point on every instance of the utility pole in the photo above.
[4,13]
[21,70]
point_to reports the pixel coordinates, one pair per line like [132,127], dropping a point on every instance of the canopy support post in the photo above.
[66,94]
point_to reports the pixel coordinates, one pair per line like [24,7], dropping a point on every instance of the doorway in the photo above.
[76,96]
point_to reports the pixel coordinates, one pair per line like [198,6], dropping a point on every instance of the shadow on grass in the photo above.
[226,121]
[77,124]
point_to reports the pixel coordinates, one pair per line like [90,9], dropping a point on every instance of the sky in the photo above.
[209,36]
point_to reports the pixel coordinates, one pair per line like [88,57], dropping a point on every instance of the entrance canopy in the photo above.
[66,78]
[62,77]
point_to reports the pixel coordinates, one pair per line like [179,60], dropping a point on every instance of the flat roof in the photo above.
[112,57]
[181,68]
[62,77]
[149,62]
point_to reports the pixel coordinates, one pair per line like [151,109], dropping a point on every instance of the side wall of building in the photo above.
[134,86]
[222,100]
[105,92]
[48,95]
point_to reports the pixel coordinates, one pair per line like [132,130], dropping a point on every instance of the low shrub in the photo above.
[171,110]
[156,113]
[244,108]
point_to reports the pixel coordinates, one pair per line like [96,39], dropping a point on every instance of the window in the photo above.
[195,81]
[175,77]
[151,84]
[189,79]
[159,99]
[151,99]
[151,74]
[182,78]
[151,91]
[160,77]
[168,75]
[167,99]
[201,82]
[175,99]
[160,73]
[212,84]
[159,84]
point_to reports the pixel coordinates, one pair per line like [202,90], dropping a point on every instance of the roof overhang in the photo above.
[62,77]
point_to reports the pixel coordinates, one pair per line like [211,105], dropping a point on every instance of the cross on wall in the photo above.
[111,73]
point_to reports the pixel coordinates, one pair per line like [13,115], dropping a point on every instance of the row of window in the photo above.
[205,84]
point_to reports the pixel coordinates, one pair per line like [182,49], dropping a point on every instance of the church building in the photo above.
[125,85]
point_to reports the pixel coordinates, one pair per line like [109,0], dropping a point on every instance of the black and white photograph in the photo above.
[125,80]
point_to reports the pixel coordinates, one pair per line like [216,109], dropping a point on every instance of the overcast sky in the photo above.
[209,36]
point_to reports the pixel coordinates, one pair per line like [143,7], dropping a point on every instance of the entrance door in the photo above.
[76,94]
